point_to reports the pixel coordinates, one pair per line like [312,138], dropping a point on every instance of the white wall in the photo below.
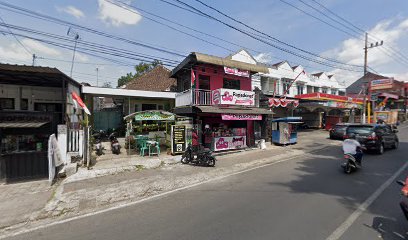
[243,56]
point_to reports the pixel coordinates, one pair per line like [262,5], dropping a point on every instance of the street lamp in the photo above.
[74,34]
[365,85]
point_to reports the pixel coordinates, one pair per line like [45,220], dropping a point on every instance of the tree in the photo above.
[107,85]
[140,69]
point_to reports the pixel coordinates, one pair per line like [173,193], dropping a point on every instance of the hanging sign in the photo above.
[381,84]
[225,96]
[178,139]
[236,72]
[241,116]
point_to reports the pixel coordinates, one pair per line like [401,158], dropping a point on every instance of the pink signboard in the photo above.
[227,143]
[233,97]
[241,117]
[236,72]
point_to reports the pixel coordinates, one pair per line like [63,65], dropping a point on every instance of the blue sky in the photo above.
[389,22]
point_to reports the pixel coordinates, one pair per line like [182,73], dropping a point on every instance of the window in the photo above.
[232,84]
[334,91]
[160,107]
[48,107]
[272,85]
[300,89]
[146,107]
[324,90]
[204,82]
[286,86]
[137,108]
[24,104]
[316,89]
[7,103]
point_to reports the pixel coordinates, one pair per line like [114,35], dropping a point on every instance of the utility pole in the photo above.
[366,81]
[76,38]
[97,77]
[34,57]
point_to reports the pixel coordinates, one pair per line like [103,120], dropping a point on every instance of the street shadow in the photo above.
[322,174]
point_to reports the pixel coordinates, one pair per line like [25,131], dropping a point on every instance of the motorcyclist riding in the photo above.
[353,147]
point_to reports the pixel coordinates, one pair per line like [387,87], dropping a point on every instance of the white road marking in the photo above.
[353,217]
[12,234]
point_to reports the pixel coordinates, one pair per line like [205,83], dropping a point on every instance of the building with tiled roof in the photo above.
[158,79]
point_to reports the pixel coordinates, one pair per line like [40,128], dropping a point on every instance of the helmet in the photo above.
[352,136]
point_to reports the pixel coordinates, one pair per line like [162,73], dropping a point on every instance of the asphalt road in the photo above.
[305,198]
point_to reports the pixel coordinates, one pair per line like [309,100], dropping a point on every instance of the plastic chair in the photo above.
[143,147]
[154,146]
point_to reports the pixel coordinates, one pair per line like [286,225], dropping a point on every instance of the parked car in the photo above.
[338,131]
[377,137]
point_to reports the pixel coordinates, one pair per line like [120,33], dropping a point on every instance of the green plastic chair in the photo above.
[154,149]
[143,147]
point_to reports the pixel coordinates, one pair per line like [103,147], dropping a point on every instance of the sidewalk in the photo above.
[89,193]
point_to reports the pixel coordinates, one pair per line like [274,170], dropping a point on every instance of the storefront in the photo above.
[226,128]
[24,144]
[322,110]
[33,101]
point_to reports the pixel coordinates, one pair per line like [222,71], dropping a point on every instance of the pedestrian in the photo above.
[195,142]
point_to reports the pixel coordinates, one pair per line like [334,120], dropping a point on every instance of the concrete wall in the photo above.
[34,94]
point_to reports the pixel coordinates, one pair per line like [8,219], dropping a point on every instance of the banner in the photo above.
[224,96]
[236,72]
[227,143]
[276,102]
[241,117]
[381,84]
[178,139]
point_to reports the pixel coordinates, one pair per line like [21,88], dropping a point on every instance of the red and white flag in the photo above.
[192,78]
[78,101]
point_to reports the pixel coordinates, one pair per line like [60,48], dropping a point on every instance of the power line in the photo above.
[275,46]
[398,56]
[26,12]
[262,33]
[19,42]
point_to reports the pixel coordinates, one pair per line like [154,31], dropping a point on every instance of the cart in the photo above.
[284,130]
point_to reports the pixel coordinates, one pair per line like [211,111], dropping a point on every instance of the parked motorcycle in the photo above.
[403,204]
[98,147]
[98,142]
[115,146]
[203,158]
[350,163]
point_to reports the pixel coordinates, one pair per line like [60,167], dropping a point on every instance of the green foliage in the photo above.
[140,69]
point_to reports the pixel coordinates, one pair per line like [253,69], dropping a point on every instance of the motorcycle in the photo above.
[98,147]
[403,205]
[204,157]
[350,163]
[115,146]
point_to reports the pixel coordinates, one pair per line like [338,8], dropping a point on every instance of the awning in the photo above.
[153,115]
[22,124]
[235,110]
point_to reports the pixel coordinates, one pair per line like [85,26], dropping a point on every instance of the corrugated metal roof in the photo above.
[204,58]
[22,124]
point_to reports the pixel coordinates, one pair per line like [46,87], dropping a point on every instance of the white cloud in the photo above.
[391,31]
[81,57]
[117,16]
[14,52]
[71,10]
[39,48]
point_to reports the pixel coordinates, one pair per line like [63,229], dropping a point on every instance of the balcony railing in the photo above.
[222,96]
[198,97]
